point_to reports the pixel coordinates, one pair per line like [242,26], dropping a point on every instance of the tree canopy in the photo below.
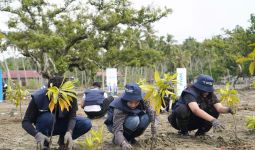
[82,34]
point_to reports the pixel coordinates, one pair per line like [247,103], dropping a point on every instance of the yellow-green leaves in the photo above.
[250,57]
[251,67]
[155,92]
[229,96]
[253,84]
[250,122]
[62,96]
[16,94]
[157,77]
[94,140]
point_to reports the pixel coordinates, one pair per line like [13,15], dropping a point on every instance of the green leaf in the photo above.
[250,122]
[251,55]
[156,76]
[251,68]
[243,59]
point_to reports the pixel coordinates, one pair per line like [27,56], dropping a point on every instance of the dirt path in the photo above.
[13,137]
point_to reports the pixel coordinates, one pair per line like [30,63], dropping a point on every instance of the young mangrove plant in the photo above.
[230,98]
[16,94]
[60,97]
[94,140]
[155,93]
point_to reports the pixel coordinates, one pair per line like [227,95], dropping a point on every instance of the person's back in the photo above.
[95,101]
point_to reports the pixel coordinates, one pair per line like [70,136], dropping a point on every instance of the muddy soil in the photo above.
[13,137]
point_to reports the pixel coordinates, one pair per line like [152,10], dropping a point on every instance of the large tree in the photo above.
[73,33]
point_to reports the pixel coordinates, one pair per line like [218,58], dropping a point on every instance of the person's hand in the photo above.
[40,139]
[68,140]
[231,111]
[217,126]
[126,146]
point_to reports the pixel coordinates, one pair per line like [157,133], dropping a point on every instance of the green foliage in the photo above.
[253,84]
[229,96]
[250,58]
[62,96]
[250,122]
[155,92]
[94,140]
[57,41]
[16,93]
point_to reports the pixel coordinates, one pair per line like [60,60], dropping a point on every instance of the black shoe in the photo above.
[61,144]
[45,146]
[200,133]
[184,134]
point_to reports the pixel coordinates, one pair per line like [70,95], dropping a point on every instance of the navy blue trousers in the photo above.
[45,121]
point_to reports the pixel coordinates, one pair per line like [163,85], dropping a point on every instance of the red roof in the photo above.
[22,74]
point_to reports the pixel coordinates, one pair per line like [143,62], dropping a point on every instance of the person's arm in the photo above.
[82,104]
[72,116]
[218,106]
[29,118]
[222,109]
[118,121]
[199,112]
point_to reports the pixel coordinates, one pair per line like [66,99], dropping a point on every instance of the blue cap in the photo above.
[204,83]
[132,92]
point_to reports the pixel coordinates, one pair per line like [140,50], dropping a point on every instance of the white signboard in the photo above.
[111,80]
[181,80]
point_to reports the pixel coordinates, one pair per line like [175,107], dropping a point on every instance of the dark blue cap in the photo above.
[132,92]
[204,83]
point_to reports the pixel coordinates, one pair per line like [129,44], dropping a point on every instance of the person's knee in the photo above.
[182,112]
[144,121]
[84,125]
[132,122]
[110,98]
[172,121]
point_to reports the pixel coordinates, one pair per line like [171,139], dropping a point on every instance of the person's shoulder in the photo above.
[39,91]
[117,111]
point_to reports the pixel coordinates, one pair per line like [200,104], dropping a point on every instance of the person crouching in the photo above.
[129,116]
[95,101]
[38,120]
[198,108]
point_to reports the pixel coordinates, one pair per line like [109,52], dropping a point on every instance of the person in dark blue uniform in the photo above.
[129,116]
[38,120]
[4,86]
[95,101]
[198,108]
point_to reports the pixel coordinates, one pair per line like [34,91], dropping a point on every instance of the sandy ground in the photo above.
[13,137]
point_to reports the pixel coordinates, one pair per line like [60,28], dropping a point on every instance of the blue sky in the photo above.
[193,18]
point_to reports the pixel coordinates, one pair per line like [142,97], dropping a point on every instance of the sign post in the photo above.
[1,86]
[111,80]
[181,80]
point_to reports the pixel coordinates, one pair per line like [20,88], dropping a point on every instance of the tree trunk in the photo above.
[53,126]
[20,108]
[103,75]
[125,76]
[153,138]
[24,68]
